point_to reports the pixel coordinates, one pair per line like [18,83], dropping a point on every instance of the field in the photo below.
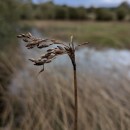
[46,102]
[100,34]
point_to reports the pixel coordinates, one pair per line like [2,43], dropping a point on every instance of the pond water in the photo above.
[105,64]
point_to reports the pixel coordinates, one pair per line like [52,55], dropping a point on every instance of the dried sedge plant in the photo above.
[50,55]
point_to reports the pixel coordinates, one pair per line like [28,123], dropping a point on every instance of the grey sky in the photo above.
[87,3]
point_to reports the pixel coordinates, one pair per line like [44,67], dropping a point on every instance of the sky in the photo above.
[87,3]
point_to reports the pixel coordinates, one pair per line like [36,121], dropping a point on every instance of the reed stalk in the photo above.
[50,55]
[75,86]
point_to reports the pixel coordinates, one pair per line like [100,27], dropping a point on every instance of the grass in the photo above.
[41,105]
[9,59]
[100,34]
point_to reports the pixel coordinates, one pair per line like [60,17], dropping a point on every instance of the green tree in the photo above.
[81,13]
[61,12]
[26,11]
[47,10]
[104,14]
[122,11]
[9,15]
[121,14]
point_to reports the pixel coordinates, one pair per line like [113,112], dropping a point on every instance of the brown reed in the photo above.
[50,55]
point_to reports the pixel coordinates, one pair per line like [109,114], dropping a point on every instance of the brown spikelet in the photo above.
[25,40]
[61,48]
[52,52]
[19,36]
[29,34]
[42,46]
[31,59]
[48,61]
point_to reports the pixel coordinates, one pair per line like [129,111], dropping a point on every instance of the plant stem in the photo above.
[72,57]
[76,99]
[75,94]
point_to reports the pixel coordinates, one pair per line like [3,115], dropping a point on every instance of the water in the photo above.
[110,66]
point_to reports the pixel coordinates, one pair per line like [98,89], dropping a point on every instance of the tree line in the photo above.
[11,11]
[49,10]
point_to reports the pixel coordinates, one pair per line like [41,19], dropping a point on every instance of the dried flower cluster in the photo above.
[51,53]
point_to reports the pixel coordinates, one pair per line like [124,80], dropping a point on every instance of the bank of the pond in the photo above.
[99,34]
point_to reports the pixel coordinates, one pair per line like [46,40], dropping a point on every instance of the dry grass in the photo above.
[101,34]
[46,102]
[10,58]
[41,105]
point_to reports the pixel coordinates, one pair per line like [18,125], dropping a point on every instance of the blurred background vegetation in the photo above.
[12,12]
[104,27]
[28,10]
[107,95]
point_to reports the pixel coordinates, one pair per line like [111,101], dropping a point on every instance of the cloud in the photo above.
[88,2]
[114,1]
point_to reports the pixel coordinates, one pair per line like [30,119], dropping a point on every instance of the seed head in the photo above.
[51,53]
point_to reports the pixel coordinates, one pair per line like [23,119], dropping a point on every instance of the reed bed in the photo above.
[46,102]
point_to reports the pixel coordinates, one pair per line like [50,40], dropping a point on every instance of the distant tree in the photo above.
[9,15]
[124,5]
[26,11]
[47,10]
[72,12]
[61,12]
[91,9]
[104,14]
[37,14]
[122,11]
[121,14]
[77,13]
[81,13]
